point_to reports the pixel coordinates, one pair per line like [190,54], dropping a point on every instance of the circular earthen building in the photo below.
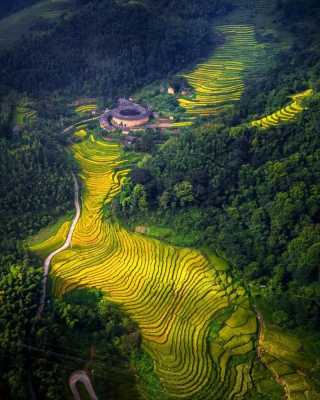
[126,116]
[129,115]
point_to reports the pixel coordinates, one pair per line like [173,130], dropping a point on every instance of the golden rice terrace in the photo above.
[219,82]
[286,114]
[196,323]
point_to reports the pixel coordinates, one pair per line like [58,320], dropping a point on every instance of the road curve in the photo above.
[47,261]
[74,126]
[81,376]
[77,376]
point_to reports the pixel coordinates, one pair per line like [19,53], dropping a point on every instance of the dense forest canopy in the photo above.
[105,56]
[35,179]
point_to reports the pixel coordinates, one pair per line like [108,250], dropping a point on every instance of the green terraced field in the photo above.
[86,108]
[286,114]
[50,238]
[173,293]
[282,354]
[182,124]
[219,82]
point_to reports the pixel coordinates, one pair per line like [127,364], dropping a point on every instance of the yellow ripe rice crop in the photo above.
[219,82]
[182,124]
[174,294]
[286,114]
[81,133]
[86,108]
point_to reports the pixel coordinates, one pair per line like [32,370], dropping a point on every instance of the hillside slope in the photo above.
[251,195]
[104,55]
[175,295]
[10,6]
[219,82]
[36,19]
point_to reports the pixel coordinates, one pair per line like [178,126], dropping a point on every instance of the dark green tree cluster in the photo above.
[19,296]
[110,47]
[35,187]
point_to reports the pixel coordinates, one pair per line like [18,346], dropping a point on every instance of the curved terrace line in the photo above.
[172,293]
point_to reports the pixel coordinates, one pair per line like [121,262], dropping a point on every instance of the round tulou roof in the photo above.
[130,112]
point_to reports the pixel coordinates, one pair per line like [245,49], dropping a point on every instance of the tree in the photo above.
[164,200]
[139,198]
[20,293]
[183,191]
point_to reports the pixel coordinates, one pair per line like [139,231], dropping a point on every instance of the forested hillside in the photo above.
[94,52]
[35,179]
[251,195]
[10,6]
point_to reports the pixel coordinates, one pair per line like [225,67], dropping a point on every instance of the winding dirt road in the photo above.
[77,376]
[47,261]
[81,377]
[74,126]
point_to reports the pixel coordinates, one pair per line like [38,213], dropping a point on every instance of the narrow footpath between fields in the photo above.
[260,350]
